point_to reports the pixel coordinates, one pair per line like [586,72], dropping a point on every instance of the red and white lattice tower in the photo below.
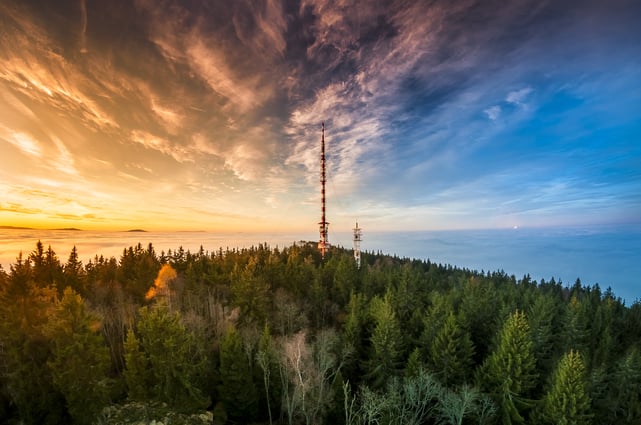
[323,243]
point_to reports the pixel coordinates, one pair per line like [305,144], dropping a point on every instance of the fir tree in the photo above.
[237,390]
[387,343]
[451,353]
[80,359]
[176,359]
[137,374]
[568,402]
[509,373]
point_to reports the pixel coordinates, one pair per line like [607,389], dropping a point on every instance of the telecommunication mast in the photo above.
[323,243]
[358,237]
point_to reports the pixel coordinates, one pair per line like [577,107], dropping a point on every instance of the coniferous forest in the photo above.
[279,336]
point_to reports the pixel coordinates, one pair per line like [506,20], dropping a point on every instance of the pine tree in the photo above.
[80,358]
[568,402]
[176,359]
[73,274]
[575,331]
[451,353]
[509,373]
[624,390]
[137,374]
[387,343]
[24,309]
[250,293]
[237,390]
[541,318]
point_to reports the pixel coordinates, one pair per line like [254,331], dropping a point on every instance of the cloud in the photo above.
[24,142]
[261,25]
[153,142]
[171,118]
[222,98]
[83,27]
[210,55]
[64,161]
[517,97]
[493,112]
[212,68]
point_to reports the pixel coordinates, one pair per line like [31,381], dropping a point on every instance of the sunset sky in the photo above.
[206,115]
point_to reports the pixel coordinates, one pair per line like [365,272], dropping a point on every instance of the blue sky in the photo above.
[189,115]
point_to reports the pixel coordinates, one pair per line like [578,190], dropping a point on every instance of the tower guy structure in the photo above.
[358,237]
[323,243]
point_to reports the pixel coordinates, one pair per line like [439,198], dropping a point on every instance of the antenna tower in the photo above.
[323,243]
[358,237]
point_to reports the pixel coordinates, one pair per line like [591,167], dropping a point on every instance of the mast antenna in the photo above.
[323,243]
[358,237]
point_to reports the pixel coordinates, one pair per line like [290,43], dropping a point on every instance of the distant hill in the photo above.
[137,230]
[32,228]
[16,228]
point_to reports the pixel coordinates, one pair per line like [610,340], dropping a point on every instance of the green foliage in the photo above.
[250,293]
[24,311]
[386,343]
[624,389]
[80,359]
[237,390]
[568,402]
[467,402]
[73,274]
[347,344]
[542,318]
[176,359]
[575,331]
[408,401]
[152,413]
[345,280]
[137,373]
[414,363]
[509,373]
[451,353]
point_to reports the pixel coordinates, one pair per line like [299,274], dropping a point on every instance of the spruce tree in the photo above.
[137,374]
[568,402]
[542,316]
[624,390]
[80,358]
[176,359]
[387,343]
[237,390]
[451,353]
[509,373]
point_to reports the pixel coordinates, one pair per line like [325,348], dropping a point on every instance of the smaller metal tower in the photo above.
[358,237]
[323,243]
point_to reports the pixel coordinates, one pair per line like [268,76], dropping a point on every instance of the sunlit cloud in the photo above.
[261,26]
[161,145]
[25,143]
[437,114]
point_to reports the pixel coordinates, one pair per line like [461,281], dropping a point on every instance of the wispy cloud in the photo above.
[153,142]
[215,107]
[518,97]
[23,142]
[493,112]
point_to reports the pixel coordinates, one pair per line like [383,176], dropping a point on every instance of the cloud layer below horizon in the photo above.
[206,115]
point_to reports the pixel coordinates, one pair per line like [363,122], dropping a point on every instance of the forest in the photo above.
[280,336]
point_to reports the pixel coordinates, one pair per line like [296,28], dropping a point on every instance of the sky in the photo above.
[206,115]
